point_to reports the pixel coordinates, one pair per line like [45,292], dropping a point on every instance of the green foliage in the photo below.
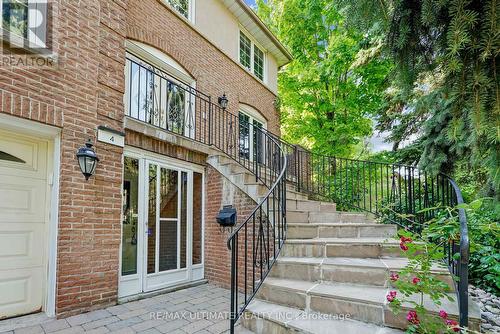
[483,217]
[335,84]
[483,222]
[445,89]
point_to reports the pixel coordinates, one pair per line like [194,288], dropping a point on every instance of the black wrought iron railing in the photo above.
[395,191]
[398,193]
[155,98]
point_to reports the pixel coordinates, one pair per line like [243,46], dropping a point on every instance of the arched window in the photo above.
[159,91]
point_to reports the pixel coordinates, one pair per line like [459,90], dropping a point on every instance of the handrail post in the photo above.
[298,170]
[256,152]
[210,120]
[232,315]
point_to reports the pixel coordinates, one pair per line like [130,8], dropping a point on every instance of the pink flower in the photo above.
[405,239]
[416,280]
[403,246]
[453,325]
[394,277]
[391,296]
[412,317]
[443,314]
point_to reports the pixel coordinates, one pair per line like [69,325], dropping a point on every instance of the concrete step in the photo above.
[264,317]
[367,247]
[296,195]
[243,178]
[256,190]
[375,271]
[308,205]
[340,230]
[363,302]
[329,217]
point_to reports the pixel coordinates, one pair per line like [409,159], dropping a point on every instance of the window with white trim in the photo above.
[24,22]
[183,7]
[258,62]
[251,56]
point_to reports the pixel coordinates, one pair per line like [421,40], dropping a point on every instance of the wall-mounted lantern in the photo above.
[87,159]
[223,101]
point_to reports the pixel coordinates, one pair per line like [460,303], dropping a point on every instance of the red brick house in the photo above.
[126,126]
[140,79]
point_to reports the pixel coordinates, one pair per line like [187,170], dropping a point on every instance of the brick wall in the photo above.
[84,90]
[151,22]
[217,257]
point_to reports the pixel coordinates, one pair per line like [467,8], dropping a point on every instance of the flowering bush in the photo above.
[417,282]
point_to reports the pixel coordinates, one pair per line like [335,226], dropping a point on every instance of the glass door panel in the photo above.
[168,245]
[257,142]
[184,220]
[162,241]
[151,225]
[169,193]
[244,130]
[197,217]
[130,216]
[168,220]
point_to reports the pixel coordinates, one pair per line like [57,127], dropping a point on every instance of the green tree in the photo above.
[336,82]
[445,81]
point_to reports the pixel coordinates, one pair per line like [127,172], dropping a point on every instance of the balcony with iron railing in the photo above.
[159,100]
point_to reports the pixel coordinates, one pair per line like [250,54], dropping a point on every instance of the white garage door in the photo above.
[23,223]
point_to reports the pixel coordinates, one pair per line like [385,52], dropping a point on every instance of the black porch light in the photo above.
[223,101]
[87,159]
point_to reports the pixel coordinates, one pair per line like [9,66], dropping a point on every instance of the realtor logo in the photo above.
[26,30]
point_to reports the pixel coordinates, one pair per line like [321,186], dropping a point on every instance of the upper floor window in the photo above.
[251,56]
[183,7]
[159,91]
[24,22]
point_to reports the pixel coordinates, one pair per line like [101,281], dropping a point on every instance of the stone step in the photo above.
[340,230]
[256,190]
[308,205]
[367,247]
[262,170]
[363,302]
[244,178]
[374,271]
[263,317]
[290,194]
[329,217]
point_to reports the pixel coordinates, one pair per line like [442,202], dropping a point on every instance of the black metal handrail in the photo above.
[397,192]
[257,242]
[401,194]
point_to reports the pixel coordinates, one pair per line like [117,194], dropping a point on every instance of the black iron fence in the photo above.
[396,192]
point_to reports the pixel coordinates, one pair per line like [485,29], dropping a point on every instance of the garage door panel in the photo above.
[21,245]
[22,199]
[20,153]
[21,291]
[23,223]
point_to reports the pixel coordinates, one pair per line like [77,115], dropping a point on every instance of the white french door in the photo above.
[251,141]
[162,230]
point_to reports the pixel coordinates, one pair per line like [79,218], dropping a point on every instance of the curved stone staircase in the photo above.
[332,274]
[334,266]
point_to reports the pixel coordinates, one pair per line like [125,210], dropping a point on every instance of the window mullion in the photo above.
[252,57]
